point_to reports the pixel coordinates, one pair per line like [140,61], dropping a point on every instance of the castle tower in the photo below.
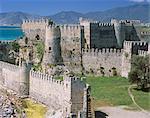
[52,53]
[24,79]
[126,58]
[119,32]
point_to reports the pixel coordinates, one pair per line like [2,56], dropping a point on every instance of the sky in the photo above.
[50,7]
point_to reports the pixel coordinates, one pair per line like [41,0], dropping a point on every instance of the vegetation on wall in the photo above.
[40,50]
[15,46]
[37,67]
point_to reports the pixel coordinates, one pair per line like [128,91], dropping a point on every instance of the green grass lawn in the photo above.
[113,91]
[142,99]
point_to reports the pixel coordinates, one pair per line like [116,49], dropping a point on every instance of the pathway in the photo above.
[132,97]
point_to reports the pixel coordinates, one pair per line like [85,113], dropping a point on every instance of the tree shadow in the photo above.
[144,89]
[100,114]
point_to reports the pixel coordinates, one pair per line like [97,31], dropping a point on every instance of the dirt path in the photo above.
[132,97]
[119,112]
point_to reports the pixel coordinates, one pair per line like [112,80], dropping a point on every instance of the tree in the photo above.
[140,71]
[15,46]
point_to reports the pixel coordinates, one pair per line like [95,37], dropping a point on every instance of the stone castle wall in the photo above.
[71,39]
[130,48]
[52,93]
[15,77]
[32,28]
[104,60]
[9,76]
[68,95]
[71,42]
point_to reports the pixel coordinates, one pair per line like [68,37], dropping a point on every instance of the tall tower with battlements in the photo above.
[52,53]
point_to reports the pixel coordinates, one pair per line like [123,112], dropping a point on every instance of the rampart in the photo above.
[58,94]
[67,96]
[103,62]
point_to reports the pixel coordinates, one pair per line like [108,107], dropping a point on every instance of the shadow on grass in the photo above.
[144,89]
[100,114]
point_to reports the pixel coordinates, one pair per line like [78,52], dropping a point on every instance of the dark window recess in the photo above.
[49,48]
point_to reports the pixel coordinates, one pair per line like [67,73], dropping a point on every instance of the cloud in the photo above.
[140,0]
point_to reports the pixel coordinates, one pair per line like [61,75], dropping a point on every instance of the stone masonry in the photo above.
[67,96]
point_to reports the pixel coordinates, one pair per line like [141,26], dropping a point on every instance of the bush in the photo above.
[15,46]
[140,71]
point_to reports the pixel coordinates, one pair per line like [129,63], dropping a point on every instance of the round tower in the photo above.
[52,53]
[24,79]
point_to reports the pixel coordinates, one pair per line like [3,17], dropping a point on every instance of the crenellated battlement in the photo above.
[44,21]
[133,43]
[145,33]
[99,24]
[51,27]
[139,43]
[104,51]
[105,24]
[48,78]
[44,77]
[142,53]
[130,21]
[70,27]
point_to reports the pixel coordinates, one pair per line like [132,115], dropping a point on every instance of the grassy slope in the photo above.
[112,91]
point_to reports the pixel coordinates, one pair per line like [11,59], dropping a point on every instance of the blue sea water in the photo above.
[10,32]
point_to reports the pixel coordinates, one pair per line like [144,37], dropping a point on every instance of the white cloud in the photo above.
[140,0]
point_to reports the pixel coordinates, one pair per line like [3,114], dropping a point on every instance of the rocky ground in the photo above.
[10,105]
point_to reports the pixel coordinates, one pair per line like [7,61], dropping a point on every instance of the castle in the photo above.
[103,49]
[90,46]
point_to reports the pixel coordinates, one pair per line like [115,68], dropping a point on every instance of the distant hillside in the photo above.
[138,11]
[15,17]
[66,17]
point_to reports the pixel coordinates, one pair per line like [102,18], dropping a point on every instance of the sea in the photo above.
[10,33]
